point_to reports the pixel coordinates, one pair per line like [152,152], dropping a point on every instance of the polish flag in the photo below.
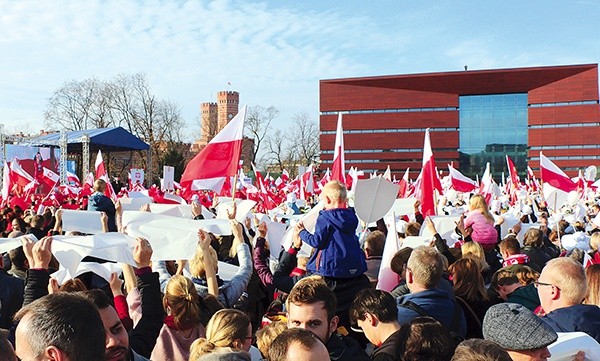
[18,175]
[513,174]
[461,182]
[338,171]
[428,180]
[554,176]
[404,183]
[219,159]
[388,174]
[101,173]
[486,188]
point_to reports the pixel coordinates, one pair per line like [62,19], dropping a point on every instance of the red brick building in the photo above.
[474,117]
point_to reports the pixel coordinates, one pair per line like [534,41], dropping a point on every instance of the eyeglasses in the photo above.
[538,284]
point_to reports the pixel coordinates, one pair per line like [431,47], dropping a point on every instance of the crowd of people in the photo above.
[488,296]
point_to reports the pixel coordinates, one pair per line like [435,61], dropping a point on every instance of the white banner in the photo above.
[82,221]
[168,178]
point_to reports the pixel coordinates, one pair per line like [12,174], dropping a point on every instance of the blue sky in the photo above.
[272,52]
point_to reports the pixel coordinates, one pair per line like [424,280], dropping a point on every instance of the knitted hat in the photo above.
[516,328]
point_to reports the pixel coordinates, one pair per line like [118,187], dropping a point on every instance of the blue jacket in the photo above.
[338,253]
[99,202]
[435,303]
[584,318]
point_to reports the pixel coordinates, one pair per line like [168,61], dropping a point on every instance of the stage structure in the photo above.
[85,142]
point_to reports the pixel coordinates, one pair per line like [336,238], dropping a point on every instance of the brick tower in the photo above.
[209,121]
[228,103]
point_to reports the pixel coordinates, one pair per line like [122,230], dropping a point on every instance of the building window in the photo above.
[490,127]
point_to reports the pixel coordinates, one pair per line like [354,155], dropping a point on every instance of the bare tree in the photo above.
[304,139]
[70,106]
[277,150]
[258,122]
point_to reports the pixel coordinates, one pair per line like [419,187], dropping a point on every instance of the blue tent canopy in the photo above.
[114,139]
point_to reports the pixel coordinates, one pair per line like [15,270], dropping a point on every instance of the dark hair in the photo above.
[480,350]
[98,298]
[400,260]
[374,243]
[67,321]
[279,347]
[17,258]
[37,221]
[412,229]
[311,290]
[6,348]
[426,340]
[73,285]
[376,302]
[511,245]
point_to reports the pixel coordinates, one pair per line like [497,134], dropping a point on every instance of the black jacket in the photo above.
[390,350]
[11,297]
[344,348]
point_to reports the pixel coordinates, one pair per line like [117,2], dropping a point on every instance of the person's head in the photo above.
[181,301]
[562,283]
[60,326]
[311,305]
[399,261]
[475,250]
[297,344]
[99,185]
[508,279]
[426,340]
[197,262]
[478,203]
[595,240]
[37,221]
[266,335]
[509,246]
[467,279]
[116,347]
[334,194]
[18,259]
[412,229]
[533,238]
[424,268]
[592,274]
[374,244]
[519,331]
[226,328]
[371,308]
[16,225]
[480,350]
[7,353]
[73,285]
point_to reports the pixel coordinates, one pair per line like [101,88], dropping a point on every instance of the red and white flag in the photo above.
[404,184]
[428,180]
[554,176]
[101,173]
[460,182]
[388,174]
[219,159]
[338,171]
[487,186]
[49,177]
[18,175]
[73,179]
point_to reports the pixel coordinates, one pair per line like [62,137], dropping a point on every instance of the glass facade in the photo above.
[490,127]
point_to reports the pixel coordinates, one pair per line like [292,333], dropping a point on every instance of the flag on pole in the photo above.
[404,184]
[338,171]
[554,176]
[428,180]
[461,182]
[219,159]
[101,173]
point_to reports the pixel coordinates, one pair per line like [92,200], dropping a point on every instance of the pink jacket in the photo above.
[483,230]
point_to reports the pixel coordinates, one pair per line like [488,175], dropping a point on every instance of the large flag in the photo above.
[554,176]
[18,175]
[50,178]
[338,171]
[461,182]
[428,180]
[512,172]
[219,159]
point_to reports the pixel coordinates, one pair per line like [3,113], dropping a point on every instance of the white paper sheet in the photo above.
[310,221]
[134,204]
[445,226]
[82,221]
[569,343]
[103,270]
[243,208]
[402,206]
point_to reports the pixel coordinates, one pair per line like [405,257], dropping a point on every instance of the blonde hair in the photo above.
[569,276]
[266,335]
[475,251]
[335,190]
[477,202]
[182,299]
[197,262]
[595,240]
[224,328]
[593,285]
